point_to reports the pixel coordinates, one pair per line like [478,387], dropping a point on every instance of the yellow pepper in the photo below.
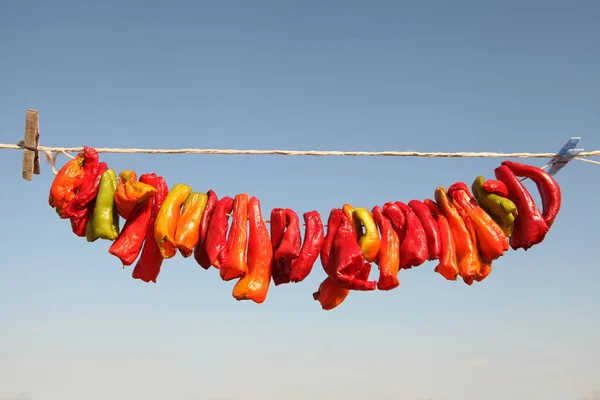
[130,193]
[370,241]
[348,211]
[165,225]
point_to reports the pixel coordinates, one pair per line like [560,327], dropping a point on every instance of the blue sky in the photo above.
[513,76]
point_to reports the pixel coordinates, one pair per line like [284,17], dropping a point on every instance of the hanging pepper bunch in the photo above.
[464,229]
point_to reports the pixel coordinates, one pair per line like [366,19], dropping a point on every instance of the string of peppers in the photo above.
[464,229]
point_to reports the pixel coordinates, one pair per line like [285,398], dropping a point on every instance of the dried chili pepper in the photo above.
[395,215]
[235,264]
[165,225]
[485,266]
[501,209]
[530,227]
[105,221]
[447,267]
[413,250]
[65,184]
[311,247]
[89,186]
[547,186]
[254,285]
[330,294]
[128,245]
[491,240]
[495,187]
[466,252]
[200,254]
[370,241]
[347,260]
[81,208]
[286,240]
[389,252]
[430,226]
[148,266]
[348,211]
[131,193]
[216,238]
[188,224]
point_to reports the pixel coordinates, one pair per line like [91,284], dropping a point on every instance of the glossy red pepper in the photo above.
[447,267]
[530,227]
[547,186]
[286,241]
[389,252]
[395,215]
[216,238]
[496,187]
[148,266]
[432,231]
[200,254]
[313,242]
[413,250]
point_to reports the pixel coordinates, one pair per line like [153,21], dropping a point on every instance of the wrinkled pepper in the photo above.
[235,264]
[216,237]
[466,252]
[148,266]
[447,267]
[165,225]
[330,294]
[313,242]
[82,210]
[65,185]
[369,241]
[395,215]
[389,252]
[432,231]
[547,186]
[501,209]
[348,211]
[530,227]
[131,193]
[413,250]
[254,285]
[105,221]
[188,224]
[285,240]
[128,245]
[492,242]
[200,254]
[485,266]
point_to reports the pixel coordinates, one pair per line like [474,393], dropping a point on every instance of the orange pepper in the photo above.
[254,285]
[65,185]
[235,264]
[188,224]
[131,193]
[330,294]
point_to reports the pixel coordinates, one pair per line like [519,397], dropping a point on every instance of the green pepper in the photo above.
[90,234]
[501,209]
[105,218]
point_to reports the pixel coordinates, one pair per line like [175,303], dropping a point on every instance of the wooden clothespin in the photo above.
[564,155]
[31,157]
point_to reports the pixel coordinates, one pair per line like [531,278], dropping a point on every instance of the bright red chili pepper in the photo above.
[313,242]
[216,238]
[430,226]
[286,240]
[200,254]
[413,250]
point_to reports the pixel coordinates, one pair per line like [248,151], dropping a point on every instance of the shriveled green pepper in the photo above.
[503,211]
[106,219]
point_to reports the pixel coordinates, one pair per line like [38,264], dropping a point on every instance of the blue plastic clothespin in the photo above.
[564,155]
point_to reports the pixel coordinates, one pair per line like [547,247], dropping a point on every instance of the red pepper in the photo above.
[200,254]
[530,227]
[491,240]
[447,266]
[496,187]
[216,237]
[413,250]
[235,264]
[81,208]
[313,242]
[389,252]
[341,256]
[128,245]
[432,231]
[286,240]
[148,266]
[392,212]
[546,185]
